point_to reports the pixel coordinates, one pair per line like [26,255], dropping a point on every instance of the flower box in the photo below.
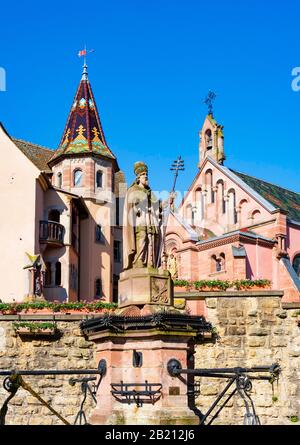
[36,332]
[35,328]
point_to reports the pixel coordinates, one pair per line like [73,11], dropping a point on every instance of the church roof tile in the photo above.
[278,196]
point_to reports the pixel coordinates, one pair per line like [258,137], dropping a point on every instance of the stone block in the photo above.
[258,331]
[209,390]
[256,342]
[82,343]
[76,353]
[279,342]
[294,351]
[279,331]
[234,342]
[59,353]
[253,313]
[145,286]
[17,401]
[211,303]
[281,314]
[68,341]
[77,332]
[235,313]
[271,303]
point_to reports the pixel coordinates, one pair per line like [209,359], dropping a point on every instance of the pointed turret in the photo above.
[83,132]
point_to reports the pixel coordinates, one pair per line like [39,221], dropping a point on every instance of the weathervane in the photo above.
[84,53]
[209,101]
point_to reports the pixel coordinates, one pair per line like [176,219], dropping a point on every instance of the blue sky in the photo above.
[153,64]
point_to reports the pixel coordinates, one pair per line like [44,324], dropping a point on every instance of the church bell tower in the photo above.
[211,136]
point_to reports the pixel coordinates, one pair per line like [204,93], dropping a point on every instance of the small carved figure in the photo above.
[172,266]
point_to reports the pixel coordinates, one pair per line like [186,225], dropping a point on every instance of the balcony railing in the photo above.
[51,232]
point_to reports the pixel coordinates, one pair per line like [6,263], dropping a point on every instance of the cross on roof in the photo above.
[209,101]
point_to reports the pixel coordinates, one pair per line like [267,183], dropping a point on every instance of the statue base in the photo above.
[145,286]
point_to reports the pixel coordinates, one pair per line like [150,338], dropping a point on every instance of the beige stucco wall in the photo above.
[17,228]
[97,258]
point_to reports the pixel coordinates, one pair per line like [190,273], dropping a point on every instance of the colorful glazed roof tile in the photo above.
[83,132]
[278,196]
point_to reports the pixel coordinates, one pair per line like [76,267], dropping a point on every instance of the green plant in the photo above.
[212,284]
[294,419]
[274,399]
[34,326]
[182,283]
[222,285]
[246,284]
[56,306]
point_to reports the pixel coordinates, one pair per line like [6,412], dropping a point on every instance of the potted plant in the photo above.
[252,284]
[182,285]
[212,285]
[35,328]
[8,308]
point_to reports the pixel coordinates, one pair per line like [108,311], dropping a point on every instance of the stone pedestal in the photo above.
[154,349]
[145,286]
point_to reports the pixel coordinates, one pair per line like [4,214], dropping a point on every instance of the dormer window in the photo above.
[208,139]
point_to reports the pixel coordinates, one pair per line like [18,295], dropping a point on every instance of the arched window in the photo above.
[213,266]
[232,207]
[218,263]
[59,180]
[99,234]
[78,177]
[189,213]
[193,220]
[99,179]
[296,265]
[242,209]
[209,185]
[54,215]
[57,273]
[222,261]
[220,195]
[208,140]
[256,215]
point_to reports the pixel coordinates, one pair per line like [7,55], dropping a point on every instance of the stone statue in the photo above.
[141,223]
[172,266]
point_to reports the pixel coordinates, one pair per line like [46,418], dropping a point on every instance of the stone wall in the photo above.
[253,332]
[69,351]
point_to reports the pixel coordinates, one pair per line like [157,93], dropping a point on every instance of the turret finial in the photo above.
[209,101]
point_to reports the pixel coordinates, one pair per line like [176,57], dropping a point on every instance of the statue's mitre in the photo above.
[140,168]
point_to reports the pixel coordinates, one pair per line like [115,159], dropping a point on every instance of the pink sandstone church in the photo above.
[62,235]
[232,226]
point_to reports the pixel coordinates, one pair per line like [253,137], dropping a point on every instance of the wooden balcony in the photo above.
[51,233]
